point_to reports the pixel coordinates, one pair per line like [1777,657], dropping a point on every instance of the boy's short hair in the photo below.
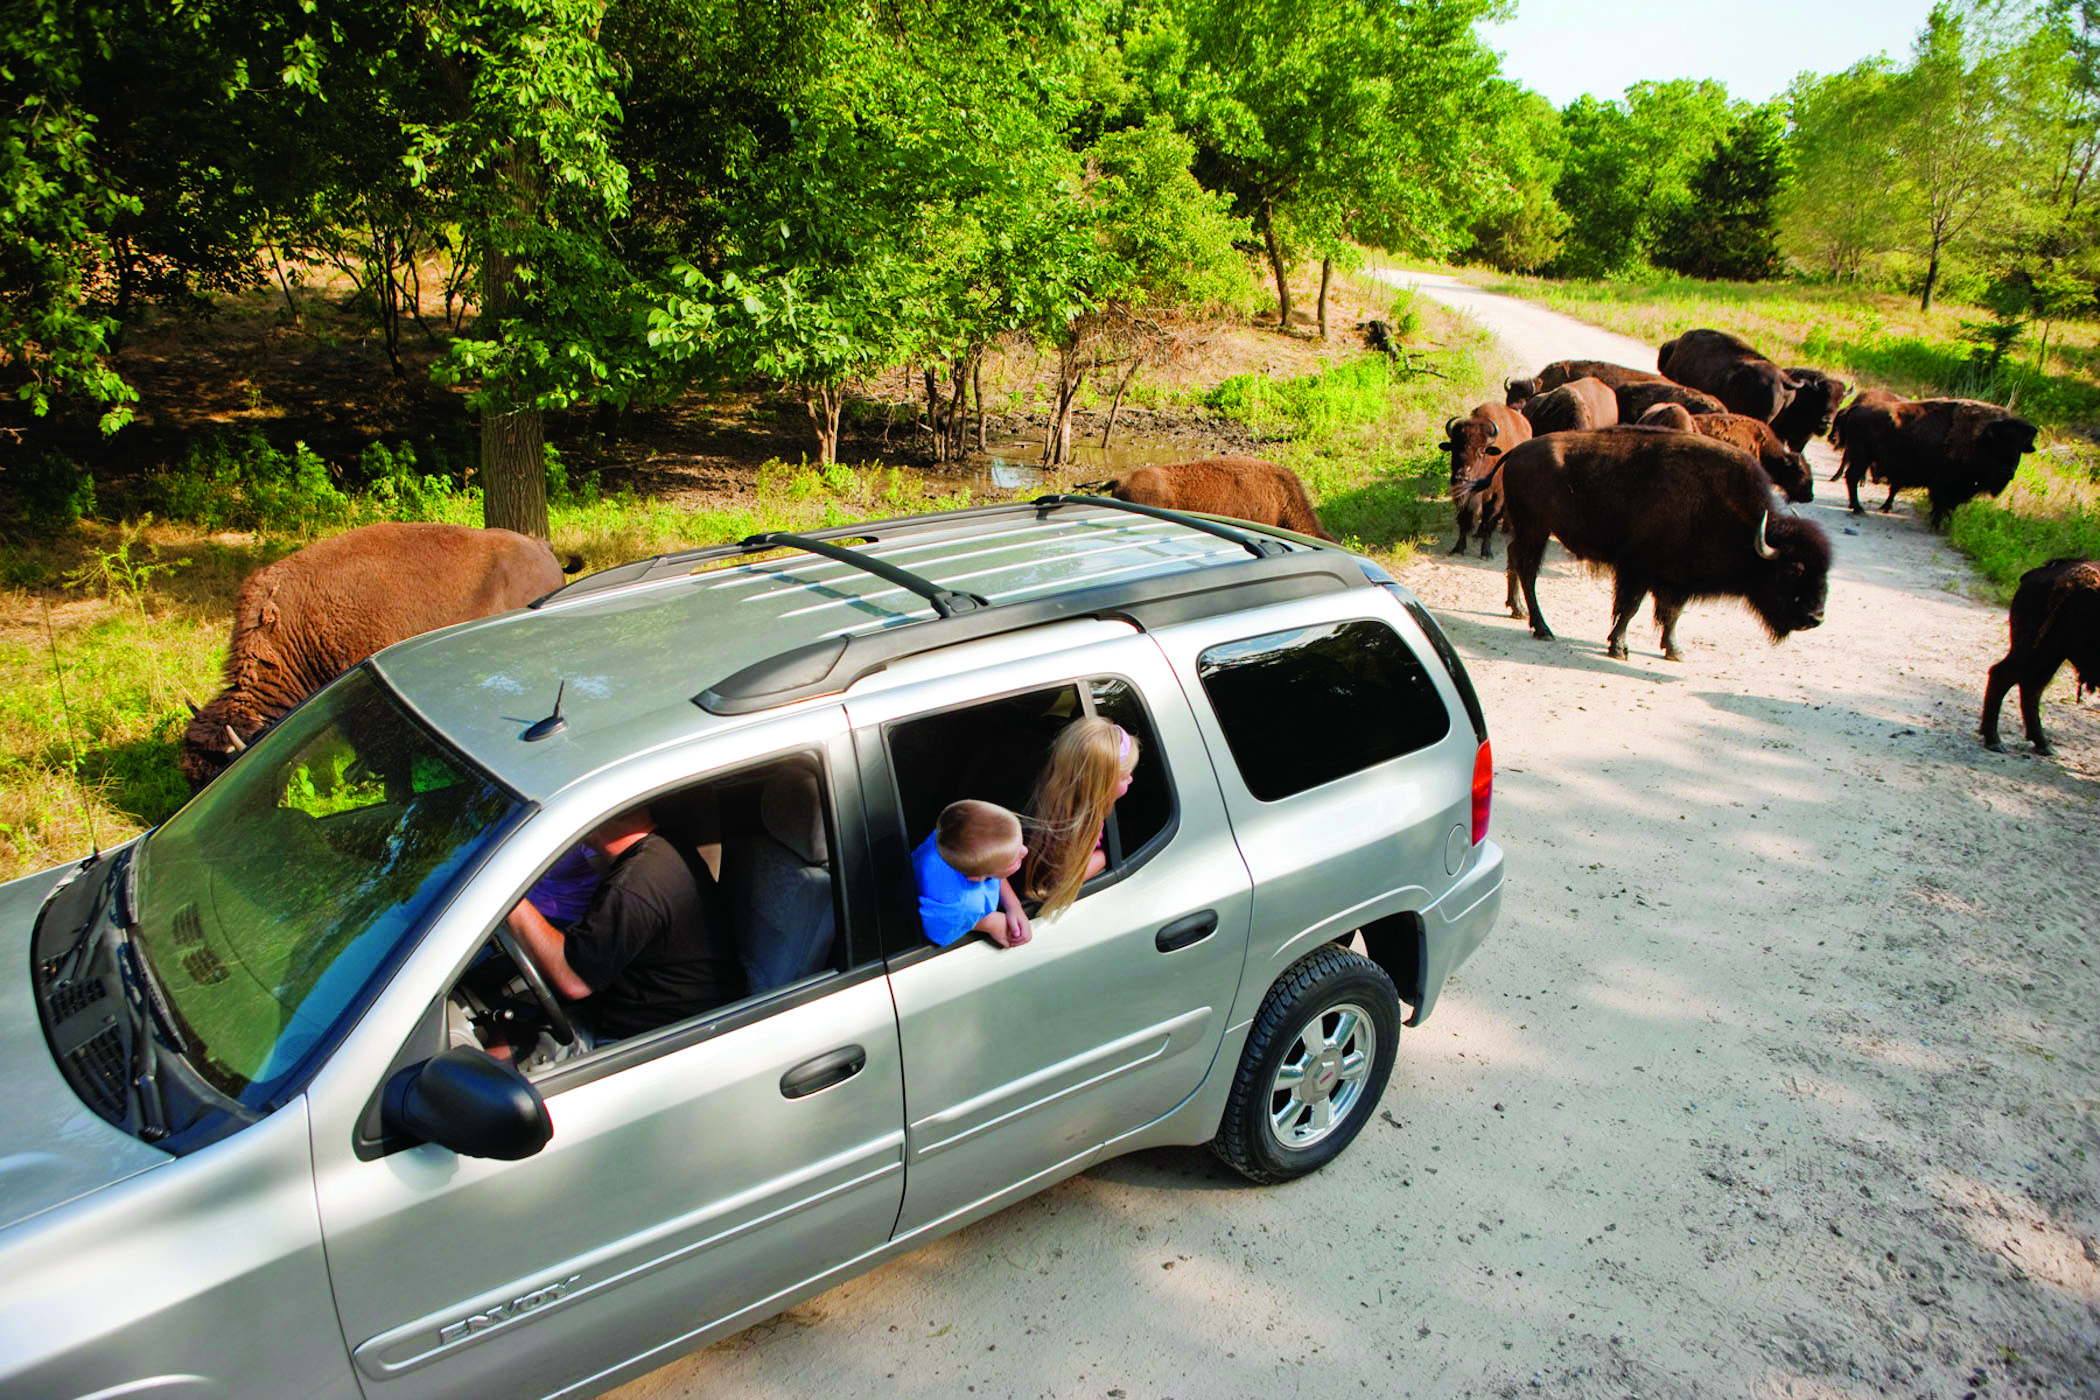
[979,839]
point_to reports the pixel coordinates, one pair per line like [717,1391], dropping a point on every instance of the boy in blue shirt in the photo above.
[961,871]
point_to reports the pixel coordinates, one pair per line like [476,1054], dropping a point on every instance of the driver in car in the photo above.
[652,947]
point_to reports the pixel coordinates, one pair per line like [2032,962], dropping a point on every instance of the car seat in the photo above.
[777,879]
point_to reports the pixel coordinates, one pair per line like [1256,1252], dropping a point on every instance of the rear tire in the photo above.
[1316,1063]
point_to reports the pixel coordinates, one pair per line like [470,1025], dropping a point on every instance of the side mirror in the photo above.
[471,1103]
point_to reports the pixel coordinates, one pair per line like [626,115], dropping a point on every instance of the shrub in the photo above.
[51,492]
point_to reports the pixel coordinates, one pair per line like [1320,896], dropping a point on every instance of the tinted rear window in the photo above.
[1307,706]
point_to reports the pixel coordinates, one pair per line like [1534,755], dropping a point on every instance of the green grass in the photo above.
[1874,338]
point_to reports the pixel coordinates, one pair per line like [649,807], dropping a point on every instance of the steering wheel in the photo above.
[536,982]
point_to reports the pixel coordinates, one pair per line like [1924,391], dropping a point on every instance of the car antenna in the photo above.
[552,724]
[72,744]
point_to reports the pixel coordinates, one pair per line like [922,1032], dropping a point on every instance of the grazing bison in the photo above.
[304,620]
[1567,371]
[1955,449]
[1726,367]
[1788,469]
[1674,416]
[1579,403]
[1815,403]
[1637,399]
[2055,618]
[1673,514]
[1474,442]
[1245,488]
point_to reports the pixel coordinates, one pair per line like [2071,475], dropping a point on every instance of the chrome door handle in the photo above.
[1182,932]
[812,1076]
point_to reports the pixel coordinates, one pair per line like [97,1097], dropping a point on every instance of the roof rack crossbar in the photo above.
[1259,548]
[946,601]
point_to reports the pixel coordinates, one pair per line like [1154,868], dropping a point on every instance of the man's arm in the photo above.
[545,943]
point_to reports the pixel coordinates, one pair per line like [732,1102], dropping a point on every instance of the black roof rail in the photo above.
[946,601]
[828,666]
[1259,548]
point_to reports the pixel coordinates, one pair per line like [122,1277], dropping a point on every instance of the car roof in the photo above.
[665,649]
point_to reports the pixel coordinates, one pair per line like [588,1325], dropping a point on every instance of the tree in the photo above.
[1727,227]
[1840,208]
[1951,149]
[1365,118]
[1520,227]
[1628,170]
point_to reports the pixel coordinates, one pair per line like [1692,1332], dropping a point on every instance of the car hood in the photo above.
[53,1147]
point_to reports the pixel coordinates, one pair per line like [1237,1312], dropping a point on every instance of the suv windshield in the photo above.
[266,905]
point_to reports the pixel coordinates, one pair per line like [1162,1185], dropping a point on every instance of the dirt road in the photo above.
[1779,1076]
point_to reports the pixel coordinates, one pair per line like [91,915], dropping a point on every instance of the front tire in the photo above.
[1316,1062]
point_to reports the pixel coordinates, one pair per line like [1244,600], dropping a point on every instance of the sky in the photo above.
[1565,48]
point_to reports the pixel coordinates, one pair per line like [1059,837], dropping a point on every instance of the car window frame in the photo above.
[851,880]
[1225,731]
[904,939]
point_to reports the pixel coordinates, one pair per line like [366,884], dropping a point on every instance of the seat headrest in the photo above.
[792,812]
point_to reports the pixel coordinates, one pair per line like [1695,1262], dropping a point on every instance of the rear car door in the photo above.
[1020,1062]
[694,1173]
[1346,776]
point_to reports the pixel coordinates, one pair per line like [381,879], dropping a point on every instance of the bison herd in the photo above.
[1678,483]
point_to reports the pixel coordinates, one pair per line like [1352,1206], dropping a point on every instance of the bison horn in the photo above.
[1764,551]
[1451,426]
[1494,430]
[234,741]
[194,711]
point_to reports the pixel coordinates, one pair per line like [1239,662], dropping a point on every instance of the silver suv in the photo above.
[252,1146]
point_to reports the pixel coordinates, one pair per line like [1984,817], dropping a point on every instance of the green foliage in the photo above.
[49,490]
[1728,225]
[117,574]
[1521,227]
[1628,171]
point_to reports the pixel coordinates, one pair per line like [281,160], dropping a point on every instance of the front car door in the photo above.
[693,1173]
[1021,1063]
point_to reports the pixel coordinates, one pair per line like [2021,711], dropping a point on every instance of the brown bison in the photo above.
[1637,399]
[1815,403]
[1788,469]
[304,620]
[1674,416]
[1674,514]
[1726,367]
[1245,488]
[1567,371]
[1955,449]
[1868,399]
[1474,442]
[2055,617]
[1579,403]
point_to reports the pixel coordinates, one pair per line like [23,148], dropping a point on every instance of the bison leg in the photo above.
[1626,594]
[1999,682]
[1668,608]
[1521,566]
[2033,681]
[1466,522]
[1891,501]
[1487,539]
[1855,472]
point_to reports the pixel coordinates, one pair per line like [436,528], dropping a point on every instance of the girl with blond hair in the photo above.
[1089,767]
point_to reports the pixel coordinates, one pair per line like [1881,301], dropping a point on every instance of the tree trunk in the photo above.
[958,403]
[1932,277]
[1116,403]
[977,386]
[513,457]
[1326,272]
[1278,267]
[1057,442]
[823,402]
[933,415]
[514,472]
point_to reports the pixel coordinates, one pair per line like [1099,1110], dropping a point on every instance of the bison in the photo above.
[2055,617]
[1868,399]
[1674,416]
[1579,403]
[1673,514]
[1815,403]
[1726,367]
[1245,488]
[1788,469]
[1474,442]
[304,620]
[1955,449]
[1566,371]
[1637,399]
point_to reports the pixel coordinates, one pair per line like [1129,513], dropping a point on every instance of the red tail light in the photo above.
[1483,790]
